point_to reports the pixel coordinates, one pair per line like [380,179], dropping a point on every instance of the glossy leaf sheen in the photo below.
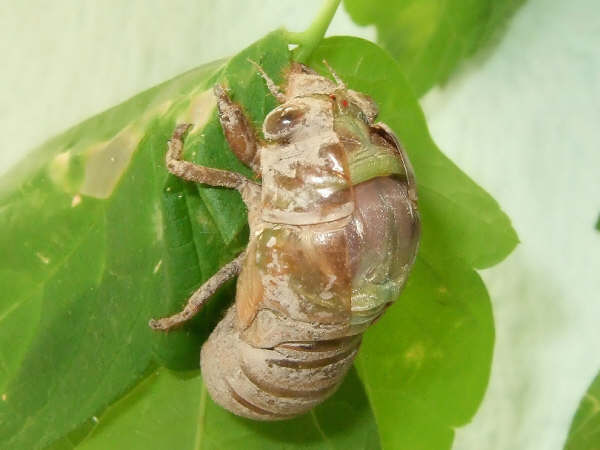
[585,429]
[430,38]
[83,273]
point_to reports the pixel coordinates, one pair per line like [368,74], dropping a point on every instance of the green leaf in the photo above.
[426,364]
[173,410]
[585,428]
[430,38]
[97,239]
[459,218]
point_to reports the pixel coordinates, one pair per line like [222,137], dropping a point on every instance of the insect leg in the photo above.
[198,298]
[238,129]
[337,79]
[193,172]
[270,83]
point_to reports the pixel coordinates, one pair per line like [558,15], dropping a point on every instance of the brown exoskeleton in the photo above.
[334,230]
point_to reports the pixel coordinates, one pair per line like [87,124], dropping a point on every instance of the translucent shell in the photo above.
[305,179]
[339,226]
[341,272]
[321,291]
[383,238]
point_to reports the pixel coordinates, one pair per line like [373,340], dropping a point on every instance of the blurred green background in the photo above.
[522,120]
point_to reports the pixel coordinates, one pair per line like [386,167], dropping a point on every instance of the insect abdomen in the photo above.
[272,383]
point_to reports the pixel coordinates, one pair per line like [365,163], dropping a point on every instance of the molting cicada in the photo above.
[334,230]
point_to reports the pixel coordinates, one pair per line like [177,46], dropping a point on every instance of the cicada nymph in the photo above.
[334,230]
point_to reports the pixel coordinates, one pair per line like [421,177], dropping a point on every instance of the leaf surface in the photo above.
[585,428]
[173,410]
[426,363]
[98,238]
[430,38]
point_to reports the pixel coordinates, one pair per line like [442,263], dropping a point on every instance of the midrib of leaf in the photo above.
[201,414]
[320,430]
[366,382]
[15,305]
[595,410]
[584,430]
[357,65]
[148,379]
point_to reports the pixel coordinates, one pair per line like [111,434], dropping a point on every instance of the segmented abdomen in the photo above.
[272,383]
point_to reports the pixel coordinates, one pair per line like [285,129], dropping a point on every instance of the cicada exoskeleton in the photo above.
[334,230]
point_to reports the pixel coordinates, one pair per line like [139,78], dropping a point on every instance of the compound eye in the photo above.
[282,121]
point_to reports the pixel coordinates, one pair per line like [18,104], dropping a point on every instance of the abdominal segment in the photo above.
[272,383]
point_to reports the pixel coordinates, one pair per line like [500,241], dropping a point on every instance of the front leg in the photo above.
[199,298]
[238,130]
[193,172]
